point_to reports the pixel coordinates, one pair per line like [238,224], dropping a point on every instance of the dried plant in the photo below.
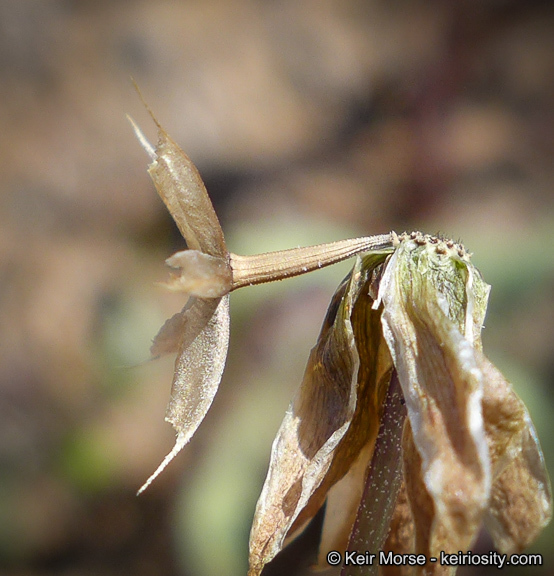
[401,424]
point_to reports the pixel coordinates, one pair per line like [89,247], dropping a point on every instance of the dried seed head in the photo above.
[410,315]
[442,245]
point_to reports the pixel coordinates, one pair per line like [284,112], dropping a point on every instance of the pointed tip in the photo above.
[150,150]
[180,443]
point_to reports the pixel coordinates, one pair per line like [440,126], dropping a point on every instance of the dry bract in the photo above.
[401,423]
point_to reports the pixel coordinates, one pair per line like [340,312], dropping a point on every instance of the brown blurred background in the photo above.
[310,121]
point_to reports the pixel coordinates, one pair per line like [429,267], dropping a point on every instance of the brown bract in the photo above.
[330,428]
[401,424]
[199,334]
[467,453]
[206,273]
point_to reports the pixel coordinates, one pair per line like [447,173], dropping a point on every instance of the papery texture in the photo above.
[521,498]
[169,336]
[357,446]
[198,369]
[182,328]
[400,539]
[181,188]
[381,484]
[428,307]
[200,332]
[325,428]
[410,314]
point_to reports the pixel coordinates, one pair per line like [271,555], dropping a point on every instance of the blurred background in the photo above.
[310,121]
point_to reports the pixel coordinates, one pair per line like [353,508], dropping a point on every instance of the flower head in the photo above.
[405,328]
[401,424]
